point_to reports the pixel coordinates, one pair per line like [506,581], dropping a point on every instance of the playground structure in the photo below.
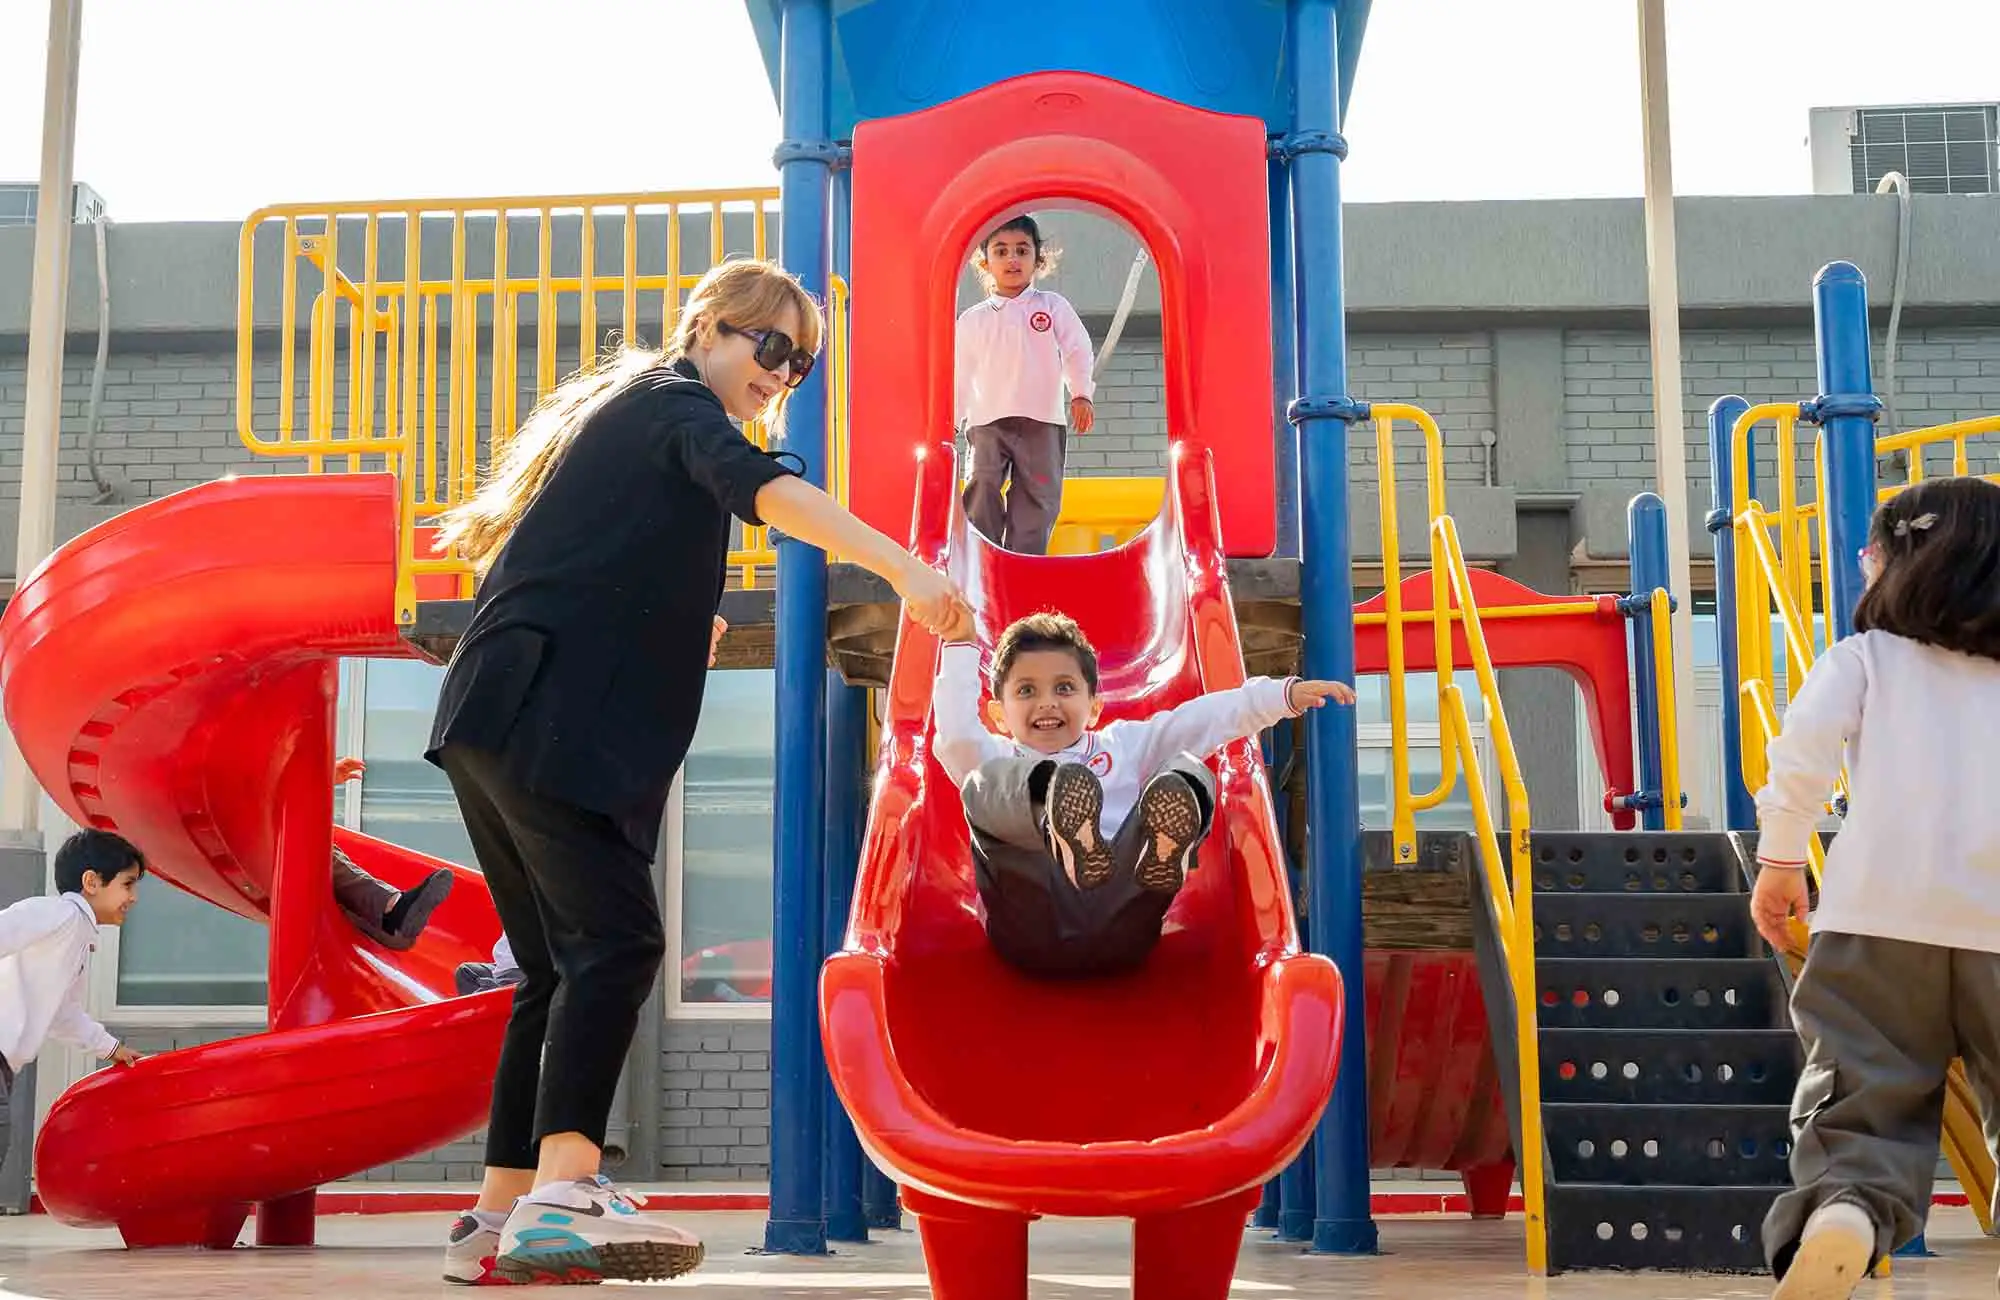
[1471,1053]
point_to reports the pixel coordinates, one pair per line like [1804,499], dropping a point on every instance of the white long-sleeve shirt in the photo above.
[1124,755]
[1015,355]
[1918,857]
[45,947]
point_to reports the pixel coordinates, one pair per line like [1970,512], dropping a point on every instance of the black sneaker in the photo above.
[1171,814]
[1071,809]
[408,916]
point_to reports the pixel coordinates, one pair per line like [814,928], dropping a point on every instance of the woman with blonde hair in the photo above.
[600,539]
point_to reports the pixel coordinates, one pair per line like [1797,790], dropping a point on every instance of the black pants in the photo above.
[1037,919]
[576,898]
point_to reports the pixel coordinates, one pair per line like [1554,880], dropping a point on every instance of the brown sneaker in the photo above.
[1072,806]
[1171,816]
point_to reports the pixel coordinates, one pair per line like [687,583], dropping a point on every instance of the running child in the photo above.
[601,539]
[1016,351]
[1062,898]
[1903,969]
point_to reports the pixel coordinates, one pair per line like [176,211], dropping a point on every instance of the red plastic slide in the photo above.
[1168,1096]
[171,675]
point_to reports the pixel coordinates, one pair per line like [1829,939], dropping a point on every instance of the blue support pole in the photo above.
[846,800]
[1738,809]
[1323,412]
[1846,409]
[878,1196]
[1295,1183]
[797,1223]
[1646,532]
[1284,356]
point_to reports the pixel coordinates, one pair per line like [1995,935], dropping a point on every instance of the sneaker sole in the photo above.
[617,1261]
[1167,811]
[1828,1266]
[1076,801]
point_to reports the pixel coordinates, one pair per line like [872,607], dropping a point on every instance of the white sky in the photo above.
[205,109]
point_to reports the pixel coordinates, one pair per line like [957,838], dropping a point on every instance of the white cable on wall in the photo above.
[1895,181]
[1118,319]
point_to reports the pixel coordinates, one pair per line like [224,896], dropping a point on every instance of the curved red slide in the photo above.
[1168,1096]
[172,675]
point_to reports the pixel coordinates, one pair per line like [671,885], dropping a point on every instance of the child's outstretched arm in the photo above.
[1803,758]
[798,509]
[73,1025]
[963,742]
[1204,725]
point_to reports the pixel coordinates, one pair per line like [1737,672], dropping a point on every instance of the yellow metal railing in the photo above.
[1509,879]
[1776,574]
[418,345]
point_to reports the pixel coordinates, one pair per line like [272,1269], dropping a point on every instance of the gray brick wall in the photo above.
[715,1118]
[1943,374]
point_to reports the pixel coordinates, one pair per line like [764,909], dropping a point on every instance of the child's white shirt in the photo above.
[1124,755]
[45,947]
[1015,355]
[1918,856]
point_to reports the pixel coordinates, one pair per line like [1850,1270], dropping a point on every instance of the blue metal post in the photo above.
[1646,531]
[1847,408]
[878,1195]
[1323,411]
[1738,809]
[797,1224]
[846,798]
[1284,356]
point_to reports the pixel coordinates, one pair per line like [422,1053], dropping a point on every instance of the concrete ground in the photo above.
[378,1257]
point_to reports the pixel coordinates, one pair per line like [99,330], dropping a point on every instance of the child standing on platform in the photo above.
[601,540]
[1903,969]
[1016,351]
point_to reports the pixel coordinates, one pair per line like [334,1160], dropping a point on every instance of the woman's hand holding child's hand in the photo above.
[1303,694]
[1780,895]
[934,599]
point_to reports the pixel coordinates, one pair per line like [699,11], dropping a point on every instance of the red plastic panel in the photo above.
[1589,647]
[1192,183]
[1183,1085]
[1434,1096]
[171,675]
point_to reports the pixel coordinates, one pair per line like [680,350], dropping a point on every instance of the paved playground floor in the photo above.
[376,1257]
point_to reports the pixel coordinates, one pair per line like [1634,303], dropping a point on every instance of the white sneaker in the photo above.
[588,1231]
[1836,1250]
[470,1250]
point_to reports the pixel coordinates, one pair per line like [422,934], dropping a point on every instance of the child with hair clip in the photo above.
[601,539]
[1016,351]
[1902,973]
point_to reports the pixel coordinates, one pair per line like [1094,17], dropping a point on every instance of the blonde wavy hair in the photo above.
[745,293]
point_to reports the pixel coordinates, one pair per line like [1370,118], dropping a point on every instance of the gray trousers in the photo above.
[1030,452]
[6,1109]
[1036,917]
[1881,1020]
[361,896]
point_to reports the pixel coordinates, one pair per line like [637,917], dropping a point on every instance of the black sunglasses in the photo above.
[775,348]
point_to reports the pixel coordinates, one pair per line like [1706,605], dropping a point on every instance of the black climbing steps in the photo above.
[1667,1058]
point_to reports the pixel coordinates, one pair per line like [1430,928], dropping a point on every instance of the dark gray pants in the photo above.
[1881,1021]
[1036,917]
[6,1109]
[1030,452]
[360,895]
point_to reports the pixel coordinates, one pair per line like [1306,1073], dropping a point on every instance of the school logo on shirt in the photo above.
[1099,764]
[1041,322]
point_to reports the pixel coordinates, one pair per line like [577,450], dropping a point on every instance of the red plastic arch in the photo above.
[1191,183]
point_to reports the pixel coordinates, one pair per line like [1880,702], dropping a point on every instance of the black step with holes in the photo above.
[1644,925]
[1674,1229]
[1622,993]
[1619,863]
[1709,1146]
[1716,1067]
[1667,1057]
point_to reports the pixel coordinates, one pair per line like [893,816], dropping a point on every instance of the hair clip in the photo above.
[1922,523]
